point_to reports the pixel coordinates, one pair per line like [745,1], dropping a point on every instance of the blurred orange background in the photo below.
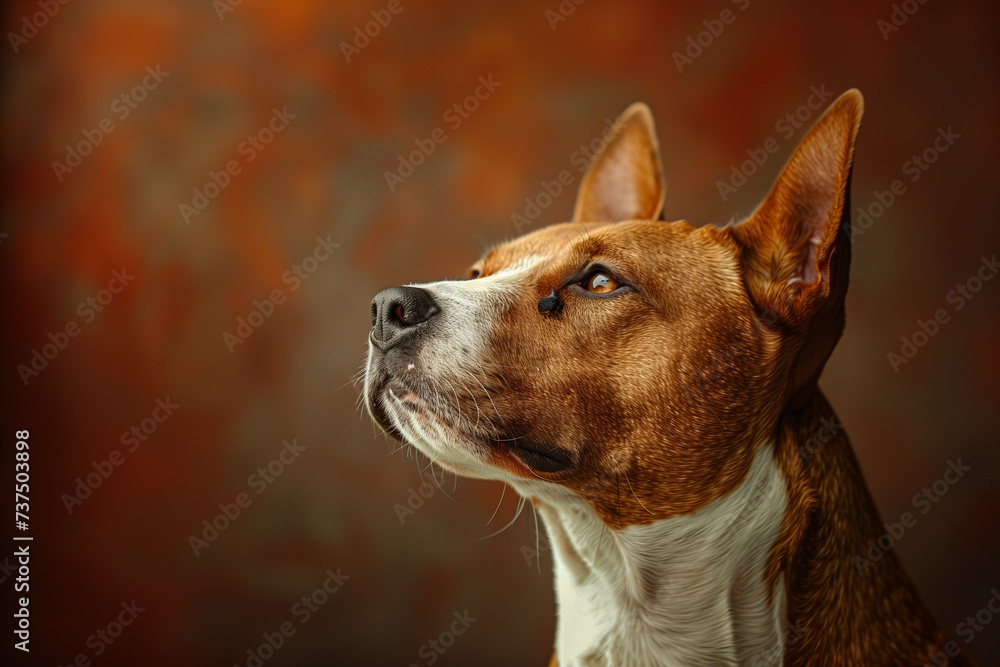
[217,155]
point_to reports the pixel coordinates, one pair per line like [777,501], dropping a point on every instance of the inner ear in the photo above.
[625,179]
[796,245]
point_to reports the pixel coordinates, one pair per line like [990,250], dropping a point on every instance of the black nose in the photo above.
[397,311]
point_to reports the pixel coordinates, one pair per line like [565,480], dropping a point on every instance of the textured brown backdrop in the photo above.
[224,69]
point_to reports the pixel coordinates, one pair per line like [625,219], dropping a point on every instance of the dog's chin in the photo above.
[410,416]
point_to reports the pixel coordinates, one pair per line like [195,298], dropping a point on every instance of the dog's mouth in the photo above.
[541,456]
[511,443]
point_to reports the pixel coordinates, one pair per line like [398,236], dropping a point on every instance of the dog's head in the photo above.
[635,362]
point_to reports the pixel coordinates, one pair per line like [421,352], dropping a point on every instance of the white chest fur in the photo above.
[688,590]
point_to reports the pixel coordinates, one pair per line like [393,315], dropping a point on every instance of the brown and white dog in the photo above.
[651,387]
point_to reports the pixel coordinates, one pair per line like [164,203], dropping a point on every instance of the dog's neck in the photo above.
[829,525]
[685,590]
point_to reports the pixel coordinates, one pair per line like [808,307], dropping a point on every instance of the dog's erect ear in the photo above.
[796,247]
[625,179]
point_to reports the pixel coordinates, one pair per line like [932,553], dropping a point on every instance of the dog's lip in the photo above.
[541,456]
[389,383]
[399,390]
[378,411]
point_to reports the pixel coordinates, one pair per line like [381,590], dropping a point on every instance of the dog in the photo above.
[651,387]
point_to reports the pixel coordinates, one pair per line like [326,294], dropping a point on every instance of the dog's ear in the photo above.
[796,247]
[625,179]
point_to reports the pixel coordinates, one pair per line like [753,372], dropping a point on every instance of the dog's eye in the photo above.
[600,283]
[474,273]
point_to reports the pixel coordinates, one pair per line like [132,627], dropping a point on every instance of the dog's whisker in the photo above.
[487,396]
[479,413]
[502,494]
[517,515]
[458,405]
[611,224]
[537,475]
[633,493]
[712,410]
[538,559]
[437,482]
